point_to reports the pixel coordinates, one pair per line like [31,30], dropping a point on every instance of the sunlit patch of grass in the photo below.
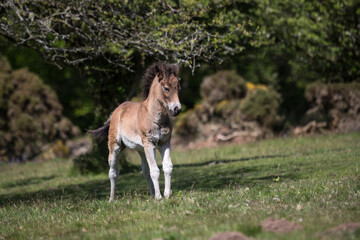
[312,181]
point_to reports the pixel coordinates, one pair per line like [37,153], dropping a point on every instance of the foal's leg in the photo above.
[146,172]
[154,169]
[114,154]
[167,168]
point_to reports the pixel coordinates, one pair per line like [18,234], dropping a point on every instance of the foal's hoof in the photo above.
[111,200]
[167,194]
[158,197]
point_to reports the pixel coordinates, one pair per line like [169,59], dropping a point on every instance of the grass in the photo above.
[312,181]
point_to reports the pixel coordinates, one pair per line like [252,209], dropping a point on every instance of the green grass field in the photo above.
[312,181]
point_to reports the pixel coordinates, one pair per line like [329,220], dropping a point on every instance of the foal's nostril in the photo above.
[177,110]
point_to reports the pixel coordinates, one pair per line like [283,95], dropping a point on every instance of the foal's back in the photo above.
[124,126]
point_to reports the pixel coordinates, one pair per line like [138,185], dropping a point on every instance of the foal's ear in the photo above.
[176,69]
[159,72]
[160,76]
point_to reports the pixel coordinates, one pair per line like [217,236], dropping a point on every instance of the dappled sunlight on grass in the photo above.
[312,181]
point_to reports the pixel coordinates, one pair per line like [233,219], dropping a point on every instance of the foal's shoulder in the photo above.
[129,104]
[126,107]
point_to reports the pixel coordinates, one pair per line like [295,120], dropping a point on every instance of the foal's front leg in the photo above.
[167,168]
[154,169]
[146,172]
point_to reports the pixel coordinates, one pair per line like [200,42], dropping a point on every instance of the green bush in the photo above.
[186,124]
[231,103]
[262,105]
[31,114]
[226,108]
[223,85]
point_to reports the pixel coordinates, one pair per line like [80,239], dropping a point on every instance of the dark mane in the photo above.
[162,70]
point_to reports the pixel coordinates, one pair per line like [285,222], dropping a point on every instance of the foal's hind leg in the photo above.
[146,172]
[114,154]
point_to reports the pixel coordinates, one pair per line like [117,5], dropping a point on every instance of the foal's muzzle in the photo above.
[175,108]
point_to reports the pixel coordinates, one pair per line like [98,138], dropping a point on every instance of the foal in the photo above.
[145,127]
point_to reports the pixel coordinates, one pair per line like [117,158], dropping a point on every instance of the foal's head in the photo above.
[163,80]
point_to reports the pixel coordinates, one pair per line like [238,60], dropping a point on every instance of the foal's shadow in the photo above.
[217,174]
[206,176]
[213,162]
[27,181]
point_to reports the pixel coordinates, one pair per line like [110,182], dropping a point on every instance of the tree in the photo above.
[110,39]
[310,41]
[319,39]
[105,35]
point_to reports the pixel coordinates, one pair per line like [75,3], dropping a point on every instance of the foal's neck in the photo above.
[156,110]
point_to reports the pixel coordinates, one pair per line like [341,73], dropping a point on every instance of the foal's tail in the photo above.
[101,133]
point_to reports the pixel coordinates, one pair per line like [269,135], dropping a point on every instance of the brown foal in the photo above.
[145,127]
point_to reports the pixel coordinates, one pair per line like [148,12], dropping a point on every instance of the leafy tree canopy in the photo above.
[105,35]
[320,40]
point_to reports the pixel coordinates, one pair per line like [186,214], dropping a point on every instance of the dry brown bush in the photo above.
[222,85]
[229,112]
[338,104]
[31,115]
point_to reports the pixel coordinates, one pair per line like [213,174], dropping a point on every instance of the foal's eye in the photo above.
[166,89]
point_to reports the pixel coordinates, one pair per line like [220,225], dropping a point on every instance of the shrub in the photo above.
[31,114]
[223,85]
[232,109]
[338,104]
[229,111]
[262,105]
[56,150]
[186,124]
[342,97]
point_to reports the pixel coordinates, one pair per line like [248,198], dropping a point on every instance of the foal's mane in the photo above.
[162,70]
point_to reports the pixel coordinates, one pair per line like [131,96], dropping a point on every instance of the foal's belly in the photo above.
[127,131]
[132,142]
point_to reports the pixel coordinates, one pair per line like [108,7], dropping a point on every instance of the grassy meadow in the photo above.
[311,181]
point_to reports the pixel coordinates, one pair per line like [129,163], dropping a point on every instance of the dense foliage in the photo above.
[31,115]
[320,39]
[92,32]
